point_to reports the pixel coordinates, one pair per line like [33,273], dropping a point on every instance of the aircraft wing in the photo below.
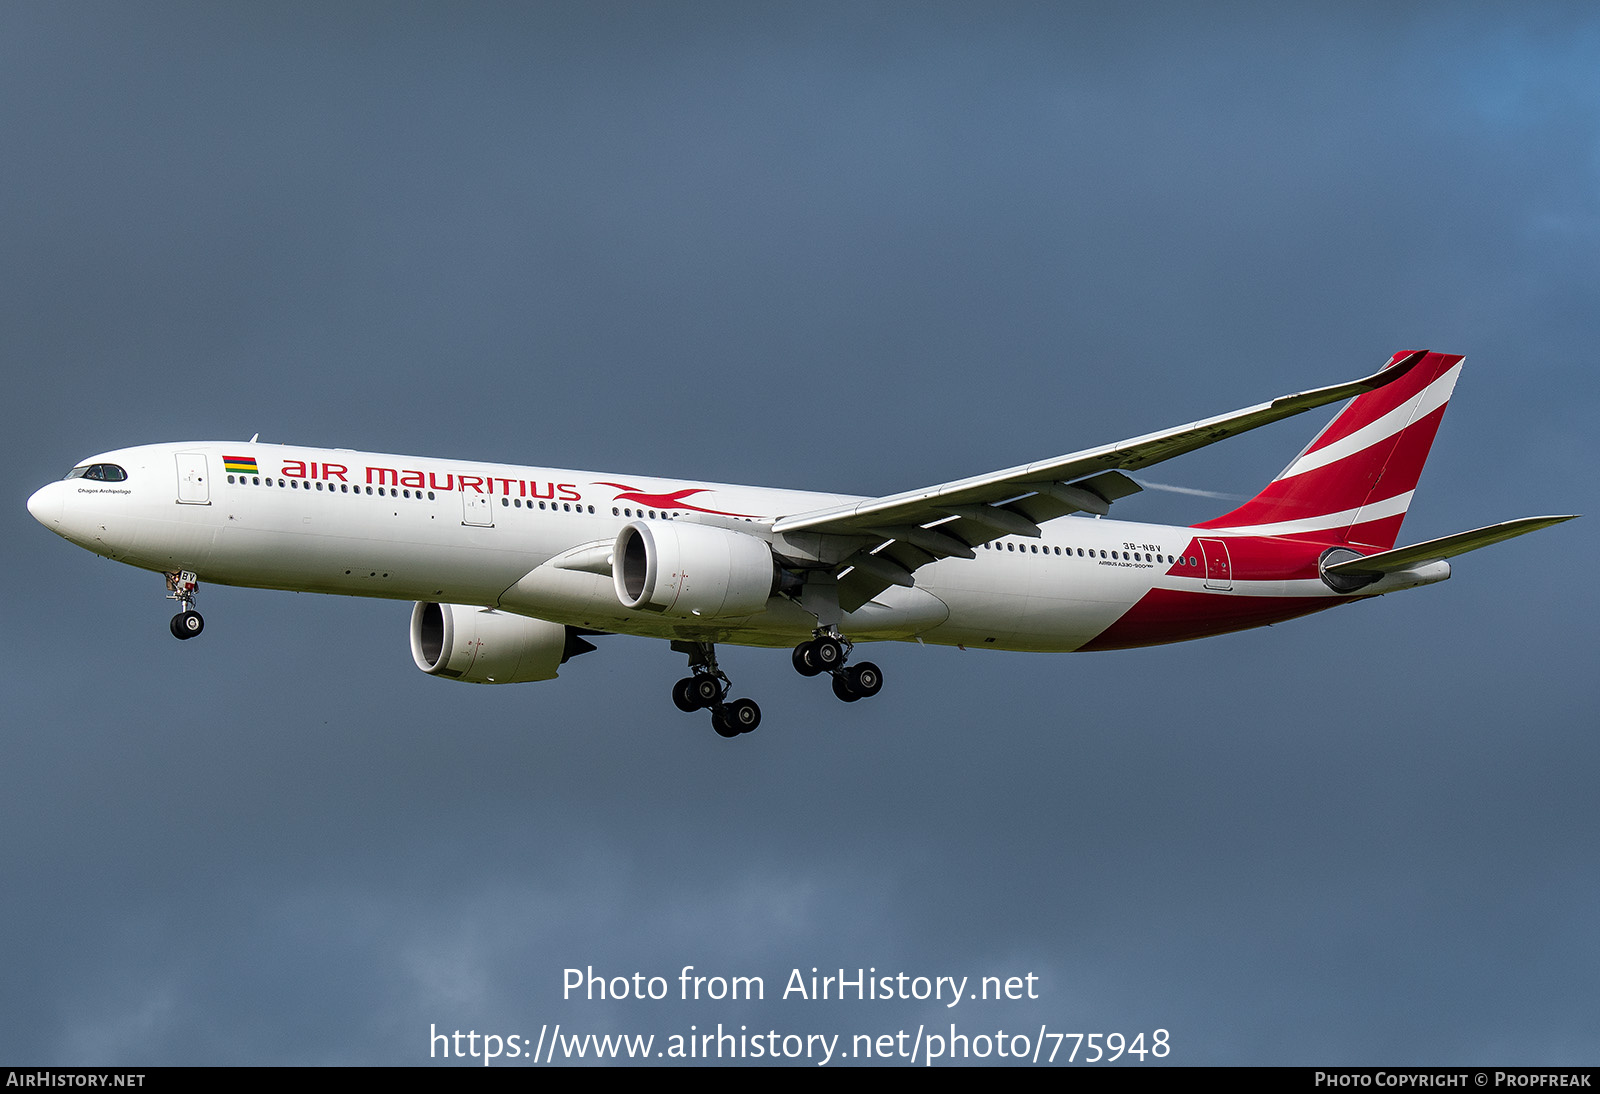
[919,526]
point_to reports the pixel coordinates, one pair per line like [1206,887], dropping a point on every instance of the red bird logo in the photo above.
[673,500]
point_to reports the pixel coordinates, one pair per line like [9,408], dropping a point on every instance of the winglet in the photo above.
[1400,364]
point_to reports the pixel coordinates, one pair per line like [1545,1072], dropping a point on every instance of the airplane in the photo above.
[512,569]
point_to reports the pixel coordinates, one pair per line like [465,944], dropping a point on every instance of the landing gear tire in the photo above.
[803,663]
[722,723]
[745,714]
[826,653]
[684,697]
[739,716]
[864,679]
[186,625]
[705,689]
[842,688]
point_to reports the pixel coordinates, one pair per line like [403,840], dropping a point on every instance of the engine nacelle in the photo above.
[480,646]
[692,570]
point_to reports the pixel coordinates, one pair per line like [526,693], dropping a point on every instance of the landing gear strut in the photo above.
[181,587]
[708,687]
[827,652]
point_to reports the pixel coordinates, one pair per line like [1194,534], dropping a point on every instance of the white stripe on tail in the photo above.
[1354,481]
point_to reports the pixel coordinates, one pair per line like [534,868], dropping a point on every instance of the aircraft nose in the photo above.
[45,505]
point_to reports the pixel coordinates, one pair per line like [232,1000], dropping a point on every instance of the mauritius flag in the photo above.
[241,465]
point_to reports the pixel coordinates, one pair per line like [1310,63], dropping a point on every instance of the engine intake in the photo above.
[691,570]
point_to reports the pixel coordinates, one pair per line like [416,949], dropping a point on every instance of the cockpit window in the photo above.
[99,472]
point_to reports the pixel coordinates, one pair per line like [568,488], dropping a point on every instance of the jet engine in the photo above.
[483,646]
[692,570]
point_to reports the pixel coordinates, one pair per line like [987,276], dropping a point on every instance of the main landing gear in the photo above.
[181,586]
[708,687]
[827,652]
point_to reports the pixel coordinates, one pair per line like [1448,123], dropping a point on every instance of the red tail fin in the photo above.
[1353,483]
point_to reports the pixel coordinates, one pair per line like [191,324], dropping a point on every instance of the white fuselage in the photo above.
[516,538]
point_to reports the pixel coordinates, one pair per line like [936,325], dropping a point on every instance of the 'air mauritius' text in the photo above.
[433,480]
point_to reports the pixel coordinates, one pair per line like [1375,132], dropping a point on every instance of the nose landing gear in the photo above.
[181,586]
[186,625]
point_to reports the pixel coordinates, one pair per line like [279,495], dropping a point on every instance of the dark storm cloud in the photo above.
[858,248]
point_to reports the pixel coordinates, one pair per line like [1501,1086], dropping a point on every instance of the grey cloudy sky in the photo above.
[862,248]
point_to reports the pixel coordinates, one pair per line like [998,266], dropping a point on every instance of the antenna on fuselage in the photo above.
[254,437]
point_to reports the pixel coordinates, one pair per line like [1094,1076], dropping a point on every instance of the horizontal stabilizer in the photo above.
[1405,558]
